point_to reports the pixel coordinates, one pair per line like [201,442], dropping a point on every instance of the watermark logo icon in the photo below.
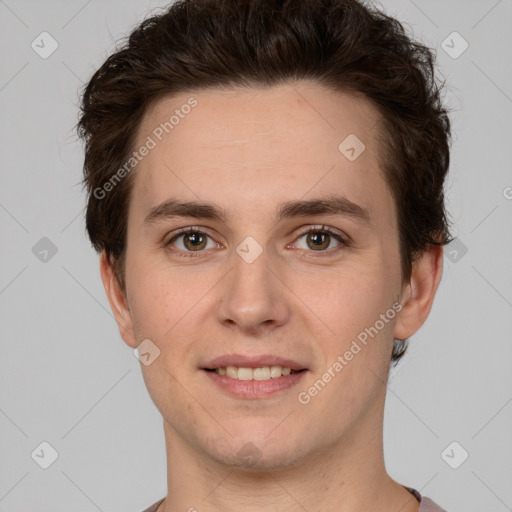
[146,352]
[456,250]
[44,45]
[249,454]
[351,147]
[454,45]
[44,250]
[454,455]
[249,250]
[44,455]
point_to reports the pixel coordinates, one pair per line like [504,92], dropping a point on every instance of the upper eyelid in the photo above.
[188,230]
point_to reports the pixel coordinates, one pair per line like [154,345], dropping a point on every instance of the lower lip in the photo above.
[255,388]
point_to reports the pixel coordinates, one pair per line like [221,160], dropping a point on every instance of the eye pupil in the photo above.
[196,239]
[319,239]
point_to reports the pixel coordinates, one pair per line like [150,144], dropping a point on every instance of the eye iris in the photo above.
[196,239]
[319,240]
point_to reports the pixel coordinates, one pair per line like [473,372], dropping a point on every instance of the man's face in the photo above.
[260,284]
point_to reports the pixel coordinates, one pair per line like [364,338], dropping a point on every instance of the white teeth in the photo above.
[263,373]
[260,373]
[245,374]
[275,371]
[232,371]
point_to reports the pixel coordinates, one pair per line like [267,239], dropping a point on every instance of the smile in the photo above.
[245,373]
[253,383]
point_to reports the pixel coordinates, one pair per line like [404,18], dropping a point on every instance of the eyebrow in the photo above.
[332,205]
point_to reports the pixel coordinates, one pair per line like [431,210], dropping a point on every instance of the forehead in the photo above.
[284,140]
[289,111]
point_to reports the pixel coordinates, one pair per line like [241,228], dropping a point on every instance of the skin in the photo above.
[248,150]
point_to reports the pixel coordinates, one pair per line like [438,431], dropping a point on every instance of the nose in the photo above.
[254,298]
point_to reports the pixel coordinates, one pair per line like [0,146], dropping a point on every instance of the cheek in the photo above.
[151,297]
[347,300]
[157,308]
[356,357]
[168,305]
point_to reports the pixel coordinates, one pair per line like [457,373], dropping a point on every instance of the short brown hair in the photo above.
[343,44]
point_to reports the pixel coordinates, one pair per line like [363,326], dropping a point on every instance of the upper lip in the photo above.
[244,361]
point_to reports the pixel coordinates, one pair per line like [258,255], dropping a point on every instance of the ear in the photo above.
[419,293]
[117,300]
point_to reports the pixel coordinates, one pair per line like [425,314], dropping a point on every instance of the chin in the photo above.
[254,455]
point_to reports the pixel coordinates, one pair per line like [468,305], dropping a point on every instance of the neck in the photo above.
[348,476]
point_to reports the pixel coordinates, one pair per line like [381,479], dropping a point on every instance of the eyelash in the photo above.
[344,242]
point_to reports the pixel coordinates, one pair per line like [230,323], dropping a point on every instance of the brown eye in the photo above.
[191,240]
[194,241]
[318,240]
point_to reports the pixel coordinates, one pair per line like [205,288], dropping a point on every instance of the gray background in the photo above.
[67,378]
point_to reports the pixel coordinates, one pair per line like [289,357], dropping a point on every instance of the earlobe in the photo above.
[117,301]
[419,294]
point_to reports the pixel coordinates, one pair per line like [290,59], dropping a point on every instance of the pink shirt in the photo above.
[426,504]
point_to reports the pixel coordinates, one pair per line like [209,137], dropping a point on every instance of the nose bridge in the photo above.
[253,296]
[251,272]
